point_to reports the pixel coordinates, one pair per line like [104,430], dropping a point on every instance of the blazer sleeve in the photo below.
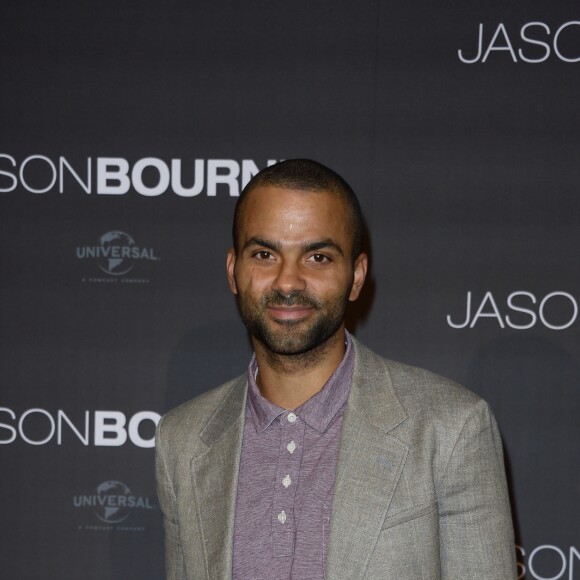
[476,533]
[174,562]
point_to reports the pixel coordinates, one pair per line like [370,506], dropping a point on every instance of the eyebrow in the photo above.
[275,246]
[321,245]
[306,247]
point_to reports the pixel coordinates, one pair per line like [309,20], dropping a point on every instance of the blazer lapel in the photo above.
[215,479]
[370,463]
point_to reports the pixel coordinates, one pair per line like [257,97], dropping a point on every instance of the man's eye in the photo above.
[263,255]
[318,258]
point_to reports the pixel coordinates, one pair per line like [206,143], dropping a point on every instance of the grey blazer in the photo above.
[420,488]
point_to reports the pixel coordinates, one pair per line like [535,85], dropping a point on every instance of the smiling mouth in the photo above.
[290,312]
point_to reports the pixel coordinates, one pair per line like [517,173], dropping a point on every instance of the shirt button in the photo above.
[291,446]
[282,517]
[292,417]
[286,481]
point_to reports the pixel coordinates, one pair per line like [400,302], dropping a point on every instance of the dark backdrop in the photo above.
[126,132]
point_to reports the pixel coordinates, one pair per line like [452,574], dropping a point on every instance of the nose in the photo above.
[289,278]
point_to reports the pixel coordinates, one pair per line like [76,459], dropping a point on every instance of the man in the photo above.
[325,460]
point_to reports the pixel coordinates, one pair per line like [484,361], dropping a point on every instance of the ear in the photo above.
[230,267]
[360,273]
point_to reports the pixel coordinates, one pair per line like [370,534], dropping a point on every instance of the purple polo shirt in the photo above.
[287,472]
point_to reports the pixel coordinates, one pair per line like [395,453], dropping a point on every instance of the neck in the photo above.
[288,381]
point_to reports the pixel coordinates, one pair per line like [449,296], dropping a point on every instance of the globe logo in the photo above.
[113,502]
[117,251]
[116,254]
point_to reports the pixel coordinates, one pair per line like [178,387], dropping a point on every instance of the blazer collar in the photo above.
[227,414]
[369,466]
[372,393]
[215,479]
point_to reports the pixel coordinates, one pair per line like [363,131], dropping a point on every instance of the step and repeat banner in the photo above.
[127,132]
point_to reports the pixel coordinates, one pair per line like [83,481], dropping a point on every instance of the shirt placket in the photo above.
[286,483]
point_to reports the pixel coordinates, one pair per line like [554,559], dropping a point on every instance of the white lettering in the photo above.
[109,427]
[507,46]
[501,42]
[548,560]
[574,308]
[230,178]
[116,176]
[21,426]
[519,565]
[134,428]
[9,175]
[112,169]
[110,422]
[137,176]
[9,428]
[467,315]
[64,163]
[61,415]
[176,181]
[481,314]
[29,187]
[534,41]
[249,169]
[479,48]
[547,547]
[488,308]
[574,555]
[557,35]
[520,309]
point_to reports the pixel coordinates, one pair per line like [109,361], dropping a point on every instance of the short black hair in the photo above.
[305,175]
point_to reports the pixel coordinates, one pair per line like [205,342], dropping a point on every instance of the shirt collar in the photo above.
[319,410]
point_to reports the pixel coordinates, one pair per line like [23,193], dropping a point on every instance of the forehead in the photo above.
[281,211]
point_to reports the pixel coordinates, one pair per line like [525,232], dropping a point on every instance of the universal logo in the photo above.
[116,255]
[112,504]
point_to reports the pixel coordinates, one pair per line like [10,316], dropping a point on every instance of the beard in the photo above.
[292,337]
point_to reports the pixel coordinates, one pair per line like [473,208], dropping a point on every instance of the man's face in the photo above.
[293,274]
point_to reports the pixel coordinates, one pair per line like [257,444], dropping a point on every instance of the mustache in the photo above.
[296,298]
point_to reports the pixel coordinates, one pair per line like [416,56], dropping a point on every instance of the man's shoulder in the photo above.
[418,390]
[411,381]
[192,414]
